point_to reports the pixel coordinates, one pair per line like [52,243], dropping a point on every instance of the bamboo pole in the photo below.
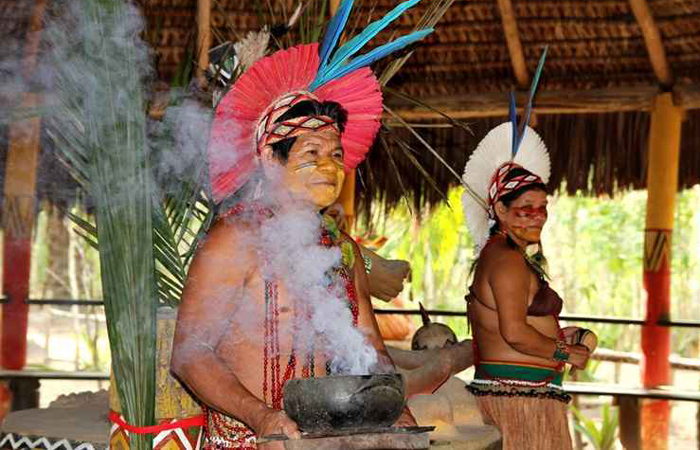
[515,47]
[203,39]
[662,184]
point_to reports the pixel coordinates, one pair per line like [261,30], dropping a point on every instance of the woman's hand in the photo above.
[276,422]
[578,357]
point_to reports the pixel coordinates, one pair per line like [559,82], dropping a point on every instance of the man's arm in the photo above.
[367,324]
[216,283]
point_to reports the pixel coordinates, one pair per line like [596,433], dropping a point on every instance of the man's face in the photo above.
[526,216]
[314,170]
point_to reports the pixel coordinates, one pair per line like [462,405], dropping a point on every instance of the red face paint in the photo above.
[530,212]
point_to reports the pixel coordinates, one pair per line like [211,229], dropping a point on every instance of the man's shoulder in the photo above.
[235,237]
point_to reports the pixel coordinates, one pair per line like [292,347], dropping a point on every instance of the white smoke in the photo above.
[290,247]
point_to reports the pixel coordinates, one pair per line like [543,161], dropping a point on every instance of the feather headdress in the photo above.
[504,147]
[273,84]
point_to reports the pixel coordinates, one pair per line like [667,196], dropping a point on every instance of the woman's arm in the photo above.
[510,287]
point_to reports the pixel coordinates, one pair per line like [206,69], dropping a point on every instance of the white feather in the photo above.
[490,154]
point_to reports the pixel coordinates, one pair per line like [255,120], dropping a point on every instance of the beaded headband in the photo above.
[269,131]
[499,187]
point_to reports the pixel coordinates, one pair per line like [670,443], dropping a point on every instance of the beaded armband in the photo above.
[560,354]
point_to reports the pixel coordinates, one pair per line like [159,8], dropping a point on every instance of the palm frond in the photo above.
[408,152]
[430,18]
[422,141]
[99,127]
[415,101]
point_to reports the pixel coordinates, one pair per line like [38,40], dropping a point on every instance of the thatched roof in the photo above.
[602,73]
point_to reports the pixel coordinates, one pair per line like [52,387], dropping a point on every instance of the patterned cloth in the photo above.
[525,402]
[224,432]
[517,380]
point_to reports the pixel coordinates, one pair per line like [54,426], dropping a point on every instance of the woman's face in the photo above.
[314,170]
[525,216]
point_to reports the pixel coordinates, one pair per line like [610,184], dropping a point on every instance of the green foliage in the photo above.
[603,437]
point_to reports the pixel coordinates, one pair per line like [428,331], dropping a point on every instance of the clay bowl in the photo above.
[344,402]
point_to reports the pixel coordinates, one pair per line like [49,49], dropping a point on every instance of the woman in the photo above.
[520,351]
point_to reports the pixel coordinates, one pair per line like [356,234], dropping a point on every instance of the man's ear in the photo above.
[501,211]
[268,159]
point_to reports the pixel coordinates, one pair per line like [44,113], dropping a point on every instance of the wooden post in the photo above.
[18,212]
[18,217]
[662,185]
[203,39]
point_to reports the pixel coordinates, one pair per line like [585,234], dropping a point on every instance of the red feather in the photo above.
[233,146]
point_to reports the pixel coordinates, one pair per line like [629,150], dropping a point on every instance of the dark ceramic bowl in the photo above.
[344,402]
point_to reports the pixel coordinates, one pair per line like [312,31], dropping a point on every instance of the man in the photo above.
[275,291]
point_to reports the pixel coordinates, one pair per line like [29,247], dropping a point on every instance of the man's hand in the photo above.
[406,419]
[387,276]
[276,422]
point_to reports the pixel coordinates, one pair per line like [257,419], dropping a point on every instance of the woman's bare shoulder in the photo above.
[499,253]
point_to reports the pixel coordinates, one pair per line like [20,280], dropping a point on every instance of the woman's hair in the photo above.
[333,110]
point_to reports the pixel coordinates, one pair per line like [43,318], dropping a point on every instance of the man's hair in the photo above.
[333,110]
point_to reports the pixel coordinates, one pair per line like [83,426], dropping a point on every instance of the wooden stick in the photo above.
[203,38]
[335,4]
[515,48]
[652,39]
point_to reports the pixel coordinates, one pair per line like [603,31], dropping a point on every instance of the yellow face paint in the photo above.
[314,171]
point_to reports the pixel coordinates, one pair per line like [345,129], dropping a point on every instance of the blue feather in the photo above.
[372,56]
[333,31]
[355,44]
[531,95]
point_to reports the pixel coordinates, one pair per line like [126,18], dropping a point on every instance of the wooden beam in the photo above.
[203,38]
[687,96]
[515,48]
[492,104]
[652,39]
